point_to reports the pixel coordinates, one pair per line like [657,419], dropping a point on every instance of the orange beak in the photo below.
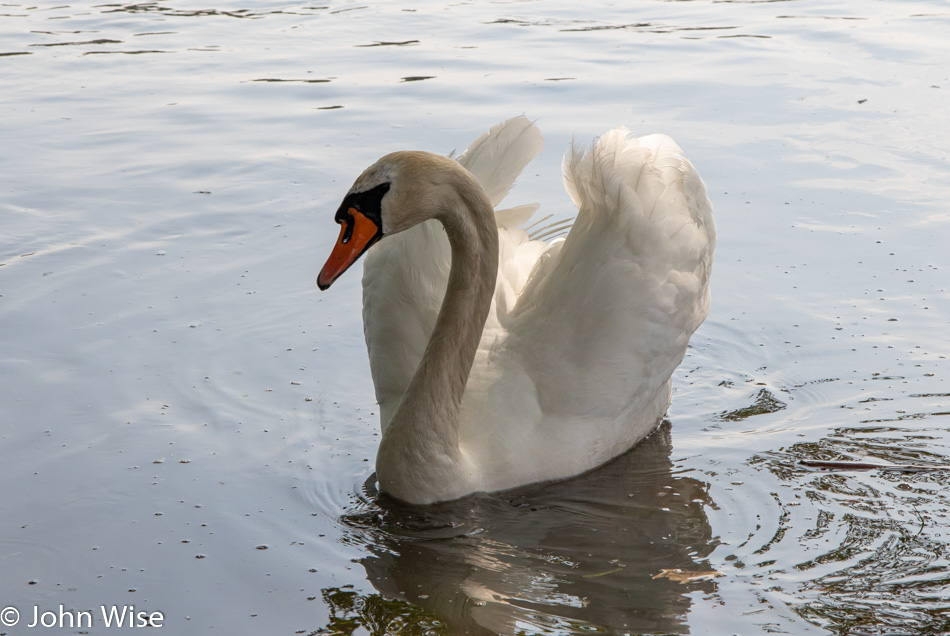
[357,234]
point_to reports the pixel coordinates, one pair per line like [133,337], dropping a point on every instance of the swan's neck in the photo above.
[419,457]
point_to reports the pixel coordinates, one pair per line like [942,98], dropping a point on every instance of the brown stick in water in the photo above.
[849,465]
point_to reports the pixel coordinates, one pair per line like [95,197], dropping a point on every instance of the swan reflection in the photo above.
[621,548]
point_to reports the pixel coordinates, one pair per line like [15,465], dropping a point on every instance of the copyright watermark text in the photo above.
[105,616]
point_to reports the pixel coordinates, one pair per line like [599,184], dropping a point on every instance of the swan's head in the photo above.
[397,192]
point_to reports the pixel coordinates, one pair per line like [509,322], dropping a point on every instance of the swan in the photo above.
[500,360]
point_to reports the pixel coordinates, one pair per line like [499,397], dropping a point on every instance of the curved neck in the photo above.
[421,444]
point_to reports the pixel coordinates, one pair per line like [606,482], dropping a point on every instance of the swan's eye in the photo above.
[369,203]
[347,226]
[360,218]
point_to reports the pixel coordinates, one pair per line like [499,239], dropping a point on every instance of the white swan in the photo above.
[545,359]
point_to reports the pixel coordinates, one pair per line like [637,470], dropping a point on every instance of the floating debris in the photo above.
[853,465]
[687,576]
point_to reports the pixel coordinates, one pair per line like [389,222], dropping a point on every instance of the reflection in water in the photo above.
[765,402]
[351,611]
[156,8]
[880,561]
[621,548]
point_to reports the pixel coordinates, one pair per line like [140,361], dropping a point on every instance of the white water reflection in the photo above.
[621,549]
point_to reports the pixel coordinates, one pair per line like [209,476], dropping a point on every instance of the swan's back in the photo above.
[584,333]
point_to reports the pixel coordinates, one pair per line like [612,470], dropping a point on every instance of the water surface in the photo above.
[188,426]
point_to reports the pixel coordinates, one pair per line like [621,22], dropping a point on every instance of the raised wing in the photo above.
[603,321]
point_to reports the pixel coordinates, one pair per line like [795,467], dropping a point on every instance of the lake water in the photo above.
[187,426]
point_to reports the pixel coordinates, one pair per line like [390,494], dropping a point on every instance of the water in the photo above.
[187,426]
